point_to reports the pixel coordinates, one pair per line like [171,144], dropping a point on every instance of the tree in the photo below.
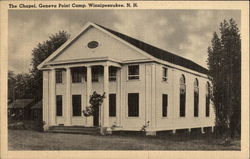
[224,64]
[95,102]
[11,85]
[39,54]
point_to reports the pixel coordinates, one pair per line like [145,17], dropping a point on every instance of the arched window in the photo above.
[196,98]
[208,99]
[182,96]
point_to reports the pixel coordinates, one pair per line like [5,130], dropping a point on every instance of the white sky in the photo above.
[184,32]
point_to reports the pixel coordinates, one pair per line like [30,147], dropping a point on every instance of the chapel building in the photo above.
[144,85]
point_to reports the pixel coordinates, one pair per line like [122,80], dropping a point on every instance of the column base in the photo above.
[202,130]
[150,133]
[212,129]
[174,131]
[45,128]
[105,131]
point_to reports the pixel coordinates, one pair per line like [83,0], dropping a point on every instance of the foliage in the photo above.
[144,127]
[40,53]
[224,63]
[19,85]
[11,85]
[29,85]
[95,102]
[114,125]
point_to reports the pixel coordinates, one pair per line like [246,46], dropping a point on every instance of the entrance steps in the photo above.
[74,129]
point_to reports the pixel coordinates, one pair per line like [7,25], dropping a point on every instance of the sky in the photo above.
[186,33]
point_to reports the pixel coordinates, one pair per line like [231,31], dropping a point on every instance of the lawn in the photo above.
[33,140]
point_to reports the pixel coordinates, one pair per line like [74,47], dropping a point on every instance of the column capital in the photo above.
[67,68]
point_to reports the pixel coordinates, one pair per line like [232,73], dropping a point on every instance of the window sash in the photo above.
[112,74]
[164,74]
[164,105]
[182,103]
[196,103]
[59,105]
[76,105]
[207,105]
[95,78]
[76,77]
[133,72]
[112,78]
[133,104]
[112,105]
[58,76]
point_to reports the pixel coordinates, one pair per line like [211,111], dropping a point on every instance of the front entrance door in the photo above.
[96,117]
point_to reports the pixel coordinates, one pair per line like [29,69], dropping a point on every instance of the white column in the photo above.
[153,99]
[89,83]
[118,96]
[46,99]
[148,91]
[106,100]
[122,95]
[68,101]
[52,101]
[89,90]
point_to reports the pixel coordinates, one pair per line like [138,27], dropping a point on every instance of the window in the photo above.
[112,105]
[95,72]
[58,76]
[133,72]
[93,44]
[77,74]
[76,103]
[133,104]
[182,96]
[164,74]
[59,105]
[164,105]
[112,74]
[208,99]
[196,98]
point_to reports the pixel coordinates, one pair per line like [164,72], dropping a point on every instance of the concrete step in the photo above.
[74,129]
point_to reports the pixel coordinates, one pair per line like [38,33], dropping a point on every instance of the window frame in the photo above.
[76,76]
[196,98]
[80,102]
[110,105]
[182,94]
[59,78]
[60,113]
[208,100]
[131,76]
[164,74]
[95,75]
[112,74]
[131,107]
[165,107]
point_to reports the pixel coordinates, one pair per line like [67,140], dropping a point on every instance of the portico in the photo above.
[86,77]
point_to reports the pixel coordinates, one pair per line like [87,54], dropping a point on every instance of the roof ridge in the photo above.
[158,52]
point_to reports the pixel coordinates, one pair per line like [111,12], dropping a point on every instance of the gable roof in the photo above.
[20,103]
[159,53]
[146,48]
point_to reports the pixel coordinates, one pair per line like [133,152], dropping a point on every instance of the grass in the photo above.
[33,140]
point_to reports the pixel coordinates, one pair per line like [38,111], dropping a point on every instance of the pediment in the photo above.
[94,43]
